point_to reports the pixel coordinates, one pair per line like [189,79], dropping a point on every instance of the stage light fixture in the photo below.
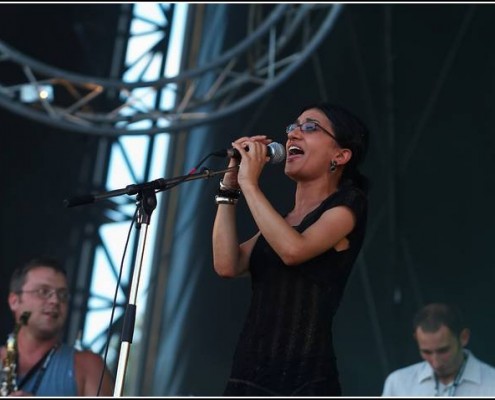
[32,93]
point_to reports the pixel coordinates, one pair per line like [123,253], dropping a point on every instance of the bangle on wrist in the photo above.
[225,188]
[221,199]
[230,194]
[224,191]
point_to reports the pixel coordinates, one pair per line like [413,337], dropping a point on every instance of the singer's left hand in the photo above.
[244,141]
[230,178]
[253,159]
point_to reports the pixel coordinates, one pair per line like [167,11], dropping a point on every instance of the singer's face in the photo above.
[45,295]
[309,152]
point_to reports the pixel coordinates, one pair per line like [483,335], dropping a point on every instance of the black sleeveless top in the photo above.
[285,347]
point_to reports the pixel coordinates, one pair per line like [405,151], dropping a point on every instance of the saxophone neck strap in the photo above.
[40,366]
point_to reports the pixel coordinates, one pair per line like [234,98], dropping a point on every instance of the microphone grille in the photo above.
[277,152]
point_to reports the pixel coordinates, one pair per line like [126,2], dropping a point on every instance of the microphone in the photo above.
[274,150]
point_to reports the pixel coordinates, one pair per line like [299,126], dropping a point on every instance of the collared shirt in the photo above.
[478,379]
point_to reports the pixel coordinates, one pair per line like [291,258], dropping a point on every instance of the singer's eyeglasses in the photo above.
[46,292]
[309,126]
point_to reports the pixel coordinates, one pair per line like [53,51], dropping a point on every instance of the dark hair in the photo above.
[431,318]
[351,133]
[19,275]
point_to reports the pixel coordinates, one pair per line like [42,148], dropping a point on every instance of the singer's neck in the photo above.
[309,195]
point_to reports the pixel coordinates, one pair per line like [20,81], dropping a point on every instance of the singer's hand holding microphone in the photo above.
[275,151]
[250,148]
[253,153]
[248,157]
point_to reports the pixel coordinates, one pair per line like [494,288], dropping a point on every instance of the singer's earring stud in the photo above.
[333,166]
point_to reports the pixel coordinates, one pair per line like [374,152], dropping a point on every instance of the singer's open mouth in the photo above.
[294,150]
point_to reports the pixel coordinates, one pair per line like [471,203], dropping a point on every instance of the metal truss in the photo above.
[280,40]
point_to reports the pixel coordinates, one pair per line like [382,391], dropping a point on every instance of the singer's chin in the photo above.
[290,171]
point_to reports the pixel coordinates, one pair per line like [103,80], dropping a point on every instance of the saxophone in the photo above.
[8,383]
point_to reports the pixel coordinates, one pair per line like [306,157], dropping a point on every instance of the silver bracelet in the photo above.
[219,199]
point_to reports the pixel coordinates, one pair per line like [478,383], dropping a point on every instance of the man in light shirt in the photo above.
[448,369]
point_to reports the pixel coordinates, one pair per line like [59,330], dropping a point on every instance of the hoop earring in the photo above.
[333,166]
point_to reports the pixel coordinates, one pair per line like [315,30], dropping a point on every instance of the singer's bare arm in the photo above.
[231,259]
[292,247]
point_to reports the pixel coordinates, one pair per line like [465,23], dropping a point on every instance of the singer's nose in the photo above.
[294,132]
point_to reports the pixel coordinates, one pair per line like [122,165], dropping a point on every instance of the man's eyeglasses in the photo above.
[45,293]
[309,126]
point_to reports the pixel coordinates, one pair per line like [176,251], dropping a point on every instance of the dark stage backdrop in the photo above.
[422,77]
[41,165]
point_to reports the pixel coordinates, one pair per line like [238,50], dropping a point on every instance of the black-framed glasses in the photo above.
[45,293]
[309,126]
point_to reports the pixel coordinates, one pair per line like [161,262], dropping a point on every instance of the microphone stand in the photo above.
[146,203]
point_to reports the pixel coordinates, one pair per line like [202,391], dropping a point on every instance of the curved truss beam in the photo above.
[288,36]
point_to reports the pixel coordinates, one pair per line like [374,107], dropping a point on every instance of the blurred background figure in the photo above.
[448,369]
[35,361]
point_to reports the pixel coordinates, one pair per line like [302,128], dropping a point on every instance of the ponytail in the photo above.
[353,177]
